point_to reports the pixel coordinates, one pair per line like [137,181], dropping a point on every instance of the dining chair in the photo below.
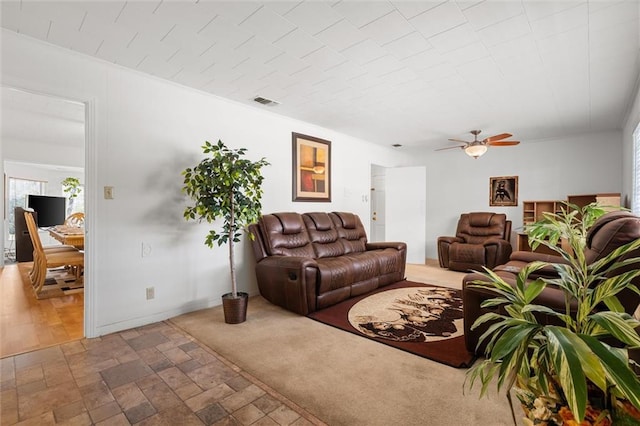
[44,260]
[48,249]
[75,220]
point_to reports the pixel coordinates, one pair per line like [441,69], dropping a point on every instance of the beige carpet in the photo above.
[342,378]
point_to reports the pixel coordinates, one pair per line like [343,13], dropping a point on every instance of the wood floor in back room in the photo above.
[27,324]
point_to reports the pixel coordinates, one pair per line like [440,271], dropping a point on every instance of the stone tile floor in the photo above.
[152,375]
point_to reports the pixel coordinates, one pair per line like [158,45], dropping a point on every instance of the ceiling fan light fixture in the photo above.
[475,150]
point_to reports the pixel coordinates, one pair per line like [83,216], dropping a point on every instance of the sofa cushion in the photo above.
[467,253]
[350,231]
[480,219]
[284,234]
[334,273]
[366,265]
[323,235]
[476,227]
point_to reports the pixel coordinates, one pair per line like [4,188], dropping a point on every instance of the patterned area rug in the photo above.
[423,319]
[59,282]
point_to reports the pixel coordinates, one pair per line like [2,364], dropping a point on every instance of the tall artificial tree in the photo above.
[225,185]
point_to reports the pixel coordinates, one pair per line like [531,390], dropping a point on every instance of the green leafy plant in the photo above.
[225,185]
[588,348]
[71,186]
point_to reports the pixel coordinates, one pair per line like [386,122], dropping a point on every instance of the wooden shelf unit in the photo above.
[605,199]
[522,244]
[532,211]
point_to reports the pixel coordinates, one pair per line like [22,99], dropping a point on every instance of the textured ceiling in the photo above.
[408,72]
[37,119]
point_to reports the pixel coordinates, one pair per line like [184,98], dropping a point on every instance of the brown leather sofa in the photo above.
[482,239]
[306,262]
[611,231]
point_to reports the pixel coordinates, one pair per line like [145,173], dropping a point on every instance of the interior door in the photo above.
[405,207]
[377,231]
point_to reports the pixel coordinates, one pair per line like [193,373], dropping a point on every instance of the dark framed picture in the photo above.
[503,191]
[311,168]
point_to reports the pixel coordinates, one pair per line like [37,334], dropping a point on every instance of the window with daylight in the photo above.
[76,204]
[17,192]
[635,201]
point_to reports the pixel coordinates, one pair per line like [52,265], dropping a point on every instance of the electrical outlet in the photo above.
[151,293]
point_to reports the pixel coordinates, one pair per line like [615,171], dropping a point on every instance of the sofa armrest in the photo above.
[383,245]
[288,281]
[259,250]
[529,256]
[394,245]
[496,252]
[521,258]
[290,262]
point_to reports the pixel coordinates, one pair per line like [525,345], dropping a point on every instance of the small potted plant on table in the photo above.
[226,185]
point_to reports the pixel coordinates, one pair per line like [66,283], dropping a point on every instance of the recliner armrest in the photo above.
[496,242]
[443,249]
[450,240]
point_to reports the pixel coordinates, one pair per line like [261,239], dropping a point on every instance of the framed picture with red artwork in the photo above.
[311,168]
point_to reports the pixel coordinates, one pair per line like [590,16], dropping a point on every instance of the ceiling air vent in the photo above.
[265,101]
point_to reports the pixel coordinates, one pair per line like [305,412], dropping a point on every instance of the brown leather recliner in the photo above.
[611,231]
[482,239]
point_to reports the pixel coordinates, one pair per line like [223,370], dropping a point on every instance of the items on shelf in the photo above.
[533,211]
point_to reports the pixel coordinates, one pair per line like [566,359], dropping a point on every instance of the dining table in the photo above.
[69,235]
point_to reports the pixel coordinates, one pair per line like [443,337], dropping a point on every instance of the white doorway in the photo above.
[44,139]
[377,229]
[398,208]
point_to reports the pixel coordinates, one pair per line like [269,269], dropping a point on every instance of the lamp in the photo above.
[475,150]
[318,170]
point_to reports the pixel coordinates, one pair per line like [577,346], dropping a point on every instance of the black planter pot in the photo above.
[235,308]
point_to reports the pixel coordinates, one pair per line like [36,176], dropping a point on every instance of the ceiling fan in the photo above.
[477,148]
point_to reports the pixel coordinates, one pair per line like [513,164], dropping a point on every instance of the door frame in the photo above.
[91,198]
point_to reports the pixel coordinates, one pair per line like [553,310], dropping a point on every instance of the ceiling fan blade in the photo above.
[458,140]
[503,143]
[497,137]
[451,147]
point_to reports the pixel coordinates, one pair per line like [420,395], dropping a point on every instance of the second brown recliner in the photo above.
[611,231]
[482,239]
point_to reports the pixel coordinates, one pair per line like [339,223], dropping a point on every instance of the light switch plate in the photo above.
[108,192]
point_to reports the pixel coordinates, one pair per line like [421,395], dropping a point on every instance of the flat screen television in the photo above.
[51,210]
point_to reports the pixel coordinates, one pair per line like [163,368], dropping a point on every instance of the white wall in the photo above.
[39,153]
[405,213]
[631,122]
[146,131]
[2,222]
[546,170]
